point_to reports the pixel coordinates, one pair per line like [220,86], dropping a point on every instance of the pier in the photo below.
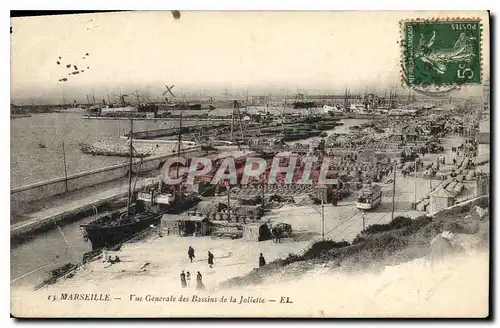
[169,132]
[22,196]
[166,119]
[40,206]
[72,206]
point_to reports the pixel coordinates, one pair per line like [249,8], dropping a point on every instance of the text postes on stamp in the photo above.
[441,53]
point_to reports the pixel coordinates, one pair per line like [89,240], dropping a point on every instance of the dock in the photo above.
[72,206]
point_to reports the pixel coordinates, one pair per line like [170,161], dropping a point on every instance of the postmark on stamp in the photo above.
[441,54]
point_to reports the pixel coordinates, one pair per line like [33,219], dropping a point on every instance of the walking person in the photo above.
[188,278]
[183,279]
[210,259]
[191,253]
[262,261]
[199,281]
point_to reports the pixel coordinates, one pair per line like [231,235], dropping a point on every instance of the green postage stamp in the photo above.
[441,52]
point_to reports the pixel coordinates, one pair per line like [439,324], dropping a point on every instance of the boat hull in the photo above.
[101,236]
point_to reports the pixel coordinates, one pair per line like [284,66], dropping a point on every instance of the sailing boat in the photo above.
[111,230]
[114,229]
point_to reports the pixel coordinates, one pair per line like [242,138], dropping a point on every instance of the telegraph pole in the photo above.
[323,215]
[65,170]
[363,217]
[415,188]
[263,196]
[430,181]
[228,205]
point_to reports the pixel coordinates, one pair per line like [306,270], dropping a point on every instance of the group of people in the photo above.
[186,280]
[186,277]
[277,233]
[210,256]
[410,167]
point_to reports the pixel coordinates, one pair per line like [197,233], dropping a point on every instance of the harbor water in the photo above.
[37,144]
[32,260]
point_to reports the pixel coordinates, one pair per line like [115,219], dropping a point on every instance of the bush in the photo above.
[322,246]
[398,223]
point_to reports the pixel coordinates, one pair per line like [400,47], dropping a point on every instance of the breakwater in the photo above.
[174,119]
[169,132]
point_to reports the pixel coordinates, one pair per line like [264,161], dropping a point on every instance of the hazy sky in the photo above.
[210,51]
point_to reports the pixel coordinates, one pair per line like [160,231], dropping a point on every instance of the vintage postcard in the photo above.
[190,164]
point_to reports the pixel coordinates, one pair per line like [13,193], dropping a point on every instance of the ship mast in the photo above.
[232,122]
[130,169]
[346,100]
[179,148]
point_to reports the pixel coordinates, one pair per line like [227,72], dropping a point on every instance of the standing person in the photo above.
[183,279]
[199,282]
[262,261]
[210,259]
[191,253]
[188,278]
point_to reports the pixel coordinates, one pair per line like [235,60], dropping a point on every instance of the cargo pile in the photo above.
[454,182]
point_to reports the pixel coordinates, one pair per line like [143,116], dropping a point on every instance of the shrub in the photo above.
[398,223]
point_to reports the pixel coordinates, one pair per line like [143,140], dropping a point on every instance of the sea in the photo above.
[31,163]
[37,142]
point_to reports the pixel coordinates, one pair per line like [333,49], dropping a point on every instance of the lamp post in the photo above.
[323,215]
[393,190]
[415,188]
[65,169]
